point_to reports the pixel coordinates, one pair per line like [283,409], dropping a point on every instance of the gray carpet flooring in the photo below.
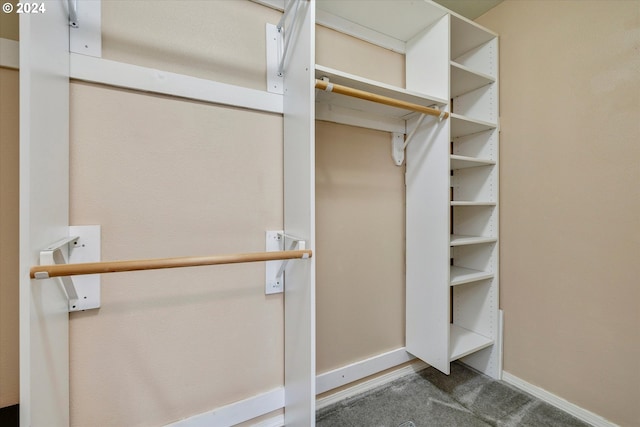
[431,399]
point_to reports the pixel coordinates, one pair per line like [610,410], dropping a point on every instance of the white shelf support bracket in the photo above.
[275,270]
[415,129]
[399,144]
[397,147]
[83,245]
[87,38]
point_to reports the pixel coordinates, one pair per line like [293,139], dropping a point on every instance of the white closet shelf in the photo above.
[464,79]
[466,35]
[463,162]
[460,240]
[461,275]
[397,19]
[368,85]
[471,203]
[462,126]
[464,342]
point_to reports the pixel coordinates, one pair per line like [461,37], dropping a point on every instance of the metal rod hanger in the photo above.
[357,93]
[73,13]
[290,32]
[47,271]
[283,18]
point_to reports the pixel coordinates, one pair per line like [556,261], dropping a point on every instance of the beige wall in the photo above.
[9,24]
[9,141]
[165,177]
[351,55]
[359,218]
[570,200]
[360,246]
[217,40]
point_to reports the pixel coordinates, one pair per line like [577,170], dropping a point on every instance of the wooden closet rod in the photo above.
[46,271]
[357,93]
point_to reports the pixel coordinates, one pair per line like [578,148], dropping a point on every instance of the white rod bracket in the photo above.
[274,242]
[275,270]
[286,11]
[73,13]
[87,38]
[397,147]
[296,244]
[288,32]
[58,253]
[83,245]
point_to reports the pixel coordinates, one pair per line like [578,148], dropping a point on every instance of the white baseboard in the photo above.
[362,369]
[416,366]
[575,410]
[237,412]
[255,406]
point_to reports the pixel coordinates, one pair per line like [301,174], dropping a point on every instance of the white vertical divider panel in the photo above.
[44,201]
[299,218]
[427,204]
[427,244]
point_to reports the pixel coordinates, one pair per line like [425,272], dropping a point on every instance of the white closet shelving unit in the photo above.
[452,307]
[476,322]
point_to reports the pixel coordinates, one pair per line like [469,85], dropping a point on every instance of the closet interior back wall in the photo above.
[360,295]
[171,177]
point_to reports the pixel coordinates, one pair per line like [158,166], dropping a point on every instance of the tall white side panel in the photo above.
[427,60]
[299,218]
[427,204]
[427,244]
[44,201]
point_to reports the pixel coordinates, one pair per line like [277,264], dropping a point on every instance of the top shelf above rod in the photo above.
[368,96]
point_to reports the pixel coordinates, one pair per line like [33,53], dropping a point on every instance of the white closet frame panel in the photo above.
[427,243]
[44,214]
[299,219]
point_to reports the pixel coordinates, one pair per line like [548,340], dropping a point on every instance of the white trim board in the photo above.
[262,404]
[560,403]
[277,421]
[416,366]
[237,412]
[362,369]
[119,74]
[9,53]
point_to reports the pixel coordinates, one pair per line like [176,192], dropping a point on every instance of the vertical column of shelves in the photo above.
[474,195]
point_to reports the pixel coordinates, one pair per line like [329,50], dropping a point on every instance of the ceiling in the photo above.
[469,8]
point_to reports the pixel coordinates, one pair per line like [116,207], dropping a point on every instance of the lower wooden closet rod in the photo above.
[58,270]
[380,99]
